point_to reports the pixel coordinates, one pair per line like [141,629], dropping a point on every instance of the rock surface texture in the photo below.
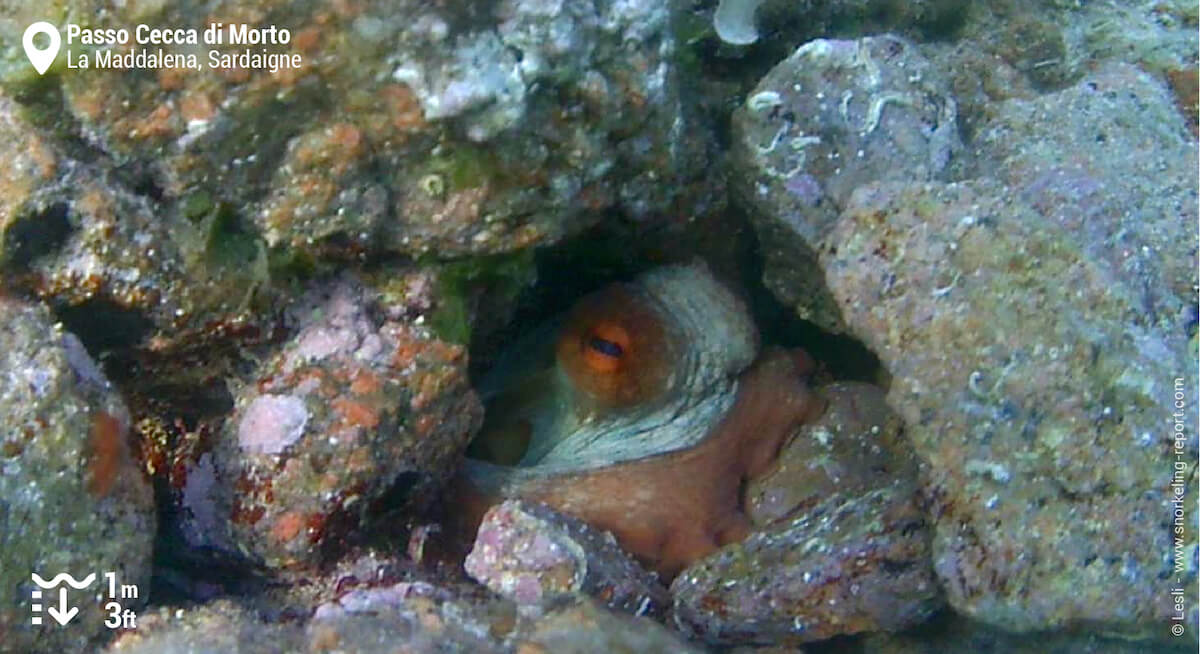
[1035,319]
[834,115]
[532,554]
[72,499]
[350,408]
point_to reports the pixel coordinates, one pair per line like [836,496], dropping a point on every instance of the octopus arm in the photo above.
[672,509]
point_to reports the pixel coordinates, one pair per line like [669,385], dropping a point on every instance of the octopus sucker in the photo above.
[644,411]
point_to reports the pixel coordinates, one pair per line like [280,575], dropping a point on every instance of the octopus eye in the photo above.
[607,348]
[614,349]
[605,345]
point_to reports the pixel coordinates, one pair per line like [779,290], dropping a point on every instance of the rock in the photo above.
[1024,317]
[418,617]
[370,600]
[406,128]
[1029,371]
[1054,44]
[848,565]
[832,116]
[1011,50]
[72,499]
[584,627]
[1121,186]
[855,446]
[423,617]
[950,633]
[353,406]
[164,207]
[841,544]
[1027,325]
[531,554]
[221,625]
[119,269]
[414,616]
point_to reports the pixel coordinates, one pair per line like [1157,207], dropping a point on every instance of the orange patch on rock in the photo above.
[1185,85]
[106,440]
[90,101]
[348,8]
[356,413]
[95,203]
[365,383]
[171,79]
[406,353]
[234,74]
[347,136]
[425,424]
[307,39]
[195,105]
[403,106]
[157,123]
[246,515]
[43,156]
[287,526]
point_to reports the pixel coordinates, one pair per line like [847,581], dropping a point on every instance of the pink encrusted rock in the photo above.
[271,423]
[530,554]
[353,407]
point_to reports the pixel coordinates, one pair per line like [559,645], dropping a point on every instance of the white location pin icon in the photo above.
[41,59]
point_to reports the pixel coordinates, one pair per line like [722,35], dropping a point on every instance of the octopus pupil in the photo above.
[607,348]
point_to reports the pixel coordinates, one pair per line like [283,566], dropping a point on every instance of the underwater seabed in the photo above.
[843,326]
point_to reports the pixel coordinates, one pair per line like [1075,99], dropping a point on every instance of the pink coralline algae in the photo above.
[271,423]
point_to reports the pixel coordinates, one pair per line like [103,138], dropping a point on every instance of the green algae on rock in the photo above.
[76,233]
[474,294]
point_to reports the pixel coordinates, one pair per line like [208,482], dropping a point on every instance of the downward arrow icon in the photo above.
[61,614]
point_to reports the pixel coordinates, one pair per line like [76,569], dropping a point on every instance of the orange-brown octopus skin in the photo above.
[672,509]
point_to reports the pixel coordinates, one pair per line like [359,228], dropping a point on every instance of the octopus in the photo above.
[644,411]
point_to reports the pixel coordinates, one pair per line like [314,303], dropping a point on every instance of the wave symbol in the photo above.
[61,577]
